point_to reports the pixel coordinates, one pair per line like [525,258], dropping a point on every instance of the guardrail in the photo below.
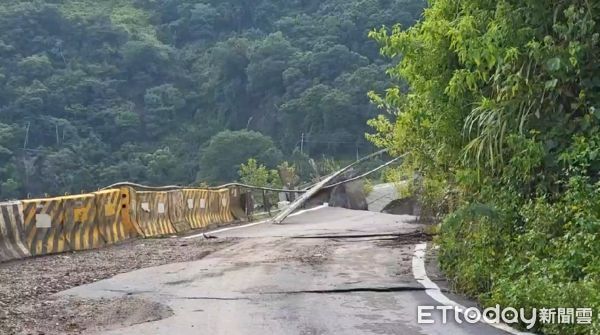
[126,210]
[45,226]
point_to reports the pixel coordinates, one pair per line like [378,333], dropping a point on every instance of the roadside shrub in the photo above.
[500,118]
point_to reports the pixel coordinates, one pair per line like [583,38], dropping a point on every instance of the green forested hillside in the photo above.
[93,92]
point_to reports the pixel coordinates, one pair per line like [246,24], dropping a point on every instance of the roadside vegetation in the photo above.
[502,123]
[253,173]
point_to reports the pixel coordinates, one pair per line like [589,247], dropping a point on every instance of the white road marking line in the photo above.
[254,223]
[434,291]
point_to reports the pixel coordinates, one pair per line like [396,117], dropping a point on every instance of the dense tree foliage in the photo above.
[502,121]
[93,92]
[221,159]
[253,173]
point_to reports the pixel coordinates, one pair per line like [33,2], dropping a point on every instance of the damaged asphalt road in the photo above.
[28,306]
[329,271]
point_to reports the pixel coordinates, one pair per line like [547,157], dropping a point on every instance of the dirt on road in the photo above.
[27,304]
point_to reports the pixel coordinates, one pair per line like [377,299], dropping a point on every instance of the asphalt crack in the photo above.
[366,239]
[356,289]
[127,292]
[343,236]
[390,289]
[214,298]
[385,236]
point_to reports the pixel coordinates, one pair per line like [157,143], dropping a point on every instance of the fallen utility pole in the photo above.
[317,187]
[366,173]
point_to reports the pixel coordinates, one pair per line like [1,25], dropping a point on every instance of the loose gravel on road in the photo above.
[27,304]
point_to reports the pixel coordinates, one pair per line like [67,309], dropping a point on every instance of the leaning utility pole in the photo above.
[315,188]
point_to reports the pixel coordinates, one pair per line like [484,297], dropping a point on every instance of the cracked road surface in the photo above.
[329,271]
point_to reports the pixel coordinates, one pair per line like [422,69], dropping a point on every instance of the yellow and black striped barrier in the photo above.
[12,245]
[224,212]
[80,222]
[80,225]
[195,208]
[43,222]
[114,223]
[213,207]
[176,211]
[236,206]
[152,214]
